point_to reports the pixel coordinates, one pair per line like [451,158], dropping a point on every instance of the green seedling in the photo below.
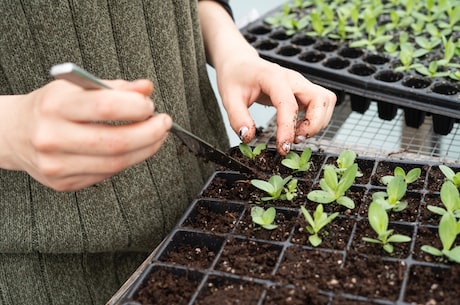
[433,69]
[283,18]
[378,219]
[450,175]
[427,43]
[391,199]
[333,189]
[298,163]
[290,191]
[455,75]
[345,160]
[316,222]
[250,153]
[407,56]
[450,198]
[274,187]
[264,218]
[409,177]
[448,230]
[319,24]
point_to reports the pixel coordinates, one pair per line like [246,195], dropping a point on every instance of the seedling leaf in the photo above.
[264,218]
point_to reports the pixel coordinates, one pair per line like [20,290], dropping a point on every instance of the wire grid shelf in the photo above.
[368,135]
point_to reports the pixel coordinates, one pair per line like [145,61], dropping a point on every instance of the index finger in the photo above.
[319,105]
[283,99]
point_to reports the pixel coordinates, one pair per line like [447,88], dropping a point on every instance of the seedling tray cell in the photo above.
[363,74]
[217,255]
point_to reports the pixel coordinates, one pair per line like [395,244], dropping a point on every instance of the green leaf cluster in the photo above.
[432,24]
[277,188]
[250,153]
[450,198]
[448,230]
[409,177]
[378,219]
[450,175]
[317,222]
[298,163]
[345,160]
[264,218]
[333,189]
[391,199]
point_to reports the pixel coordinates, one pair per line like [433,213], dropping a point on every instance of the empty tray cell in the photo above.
[159,285]
[433,283]
[225,290]
[191,249]
[249,257]
[214,216]
[229,186]
[318,268]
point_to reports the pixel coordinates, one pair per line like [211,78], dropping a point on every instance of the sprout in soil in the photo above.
[448,230]
[298,163]
[345,160]
[391,199]
[378,219]
[450,175]
[316,223]
[275,187]
[333,189]
[250,153]
[290,191]
[409,177]
[450,198]
[264,218]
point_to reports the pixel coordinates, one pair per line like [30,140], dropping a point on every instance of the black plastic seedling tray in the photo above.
[216,255]
[361,74]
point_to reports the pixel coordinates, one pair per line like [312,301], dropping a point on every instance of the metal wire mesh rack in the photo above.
[368,135]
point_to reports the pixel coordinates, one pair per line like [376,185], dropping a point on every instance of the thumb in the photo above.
[239,117]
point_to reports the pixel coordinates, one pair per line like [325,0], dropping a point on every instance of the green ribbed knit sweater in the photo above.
[79,247]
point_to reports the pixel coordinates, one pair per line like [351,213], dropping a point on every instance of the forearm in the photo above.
[9,105]
[221,36]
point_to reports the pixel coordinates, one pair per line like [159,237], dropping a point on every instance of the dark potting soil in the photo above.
[246,264]
[153,291]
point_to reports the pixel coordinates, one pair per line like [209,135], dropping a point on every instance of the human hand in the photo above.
[244,80]
[51,132]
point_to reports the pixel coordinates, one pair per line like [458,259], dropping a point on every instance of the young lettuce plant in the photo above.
[450,198]
[333,189]
[250,153]
[275,186]
[378,219]
[298,163]
[409,177]
[448,230]
[450,175]
[391,199]
[290,191]
[345,160]
[264,218]
[316,222]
